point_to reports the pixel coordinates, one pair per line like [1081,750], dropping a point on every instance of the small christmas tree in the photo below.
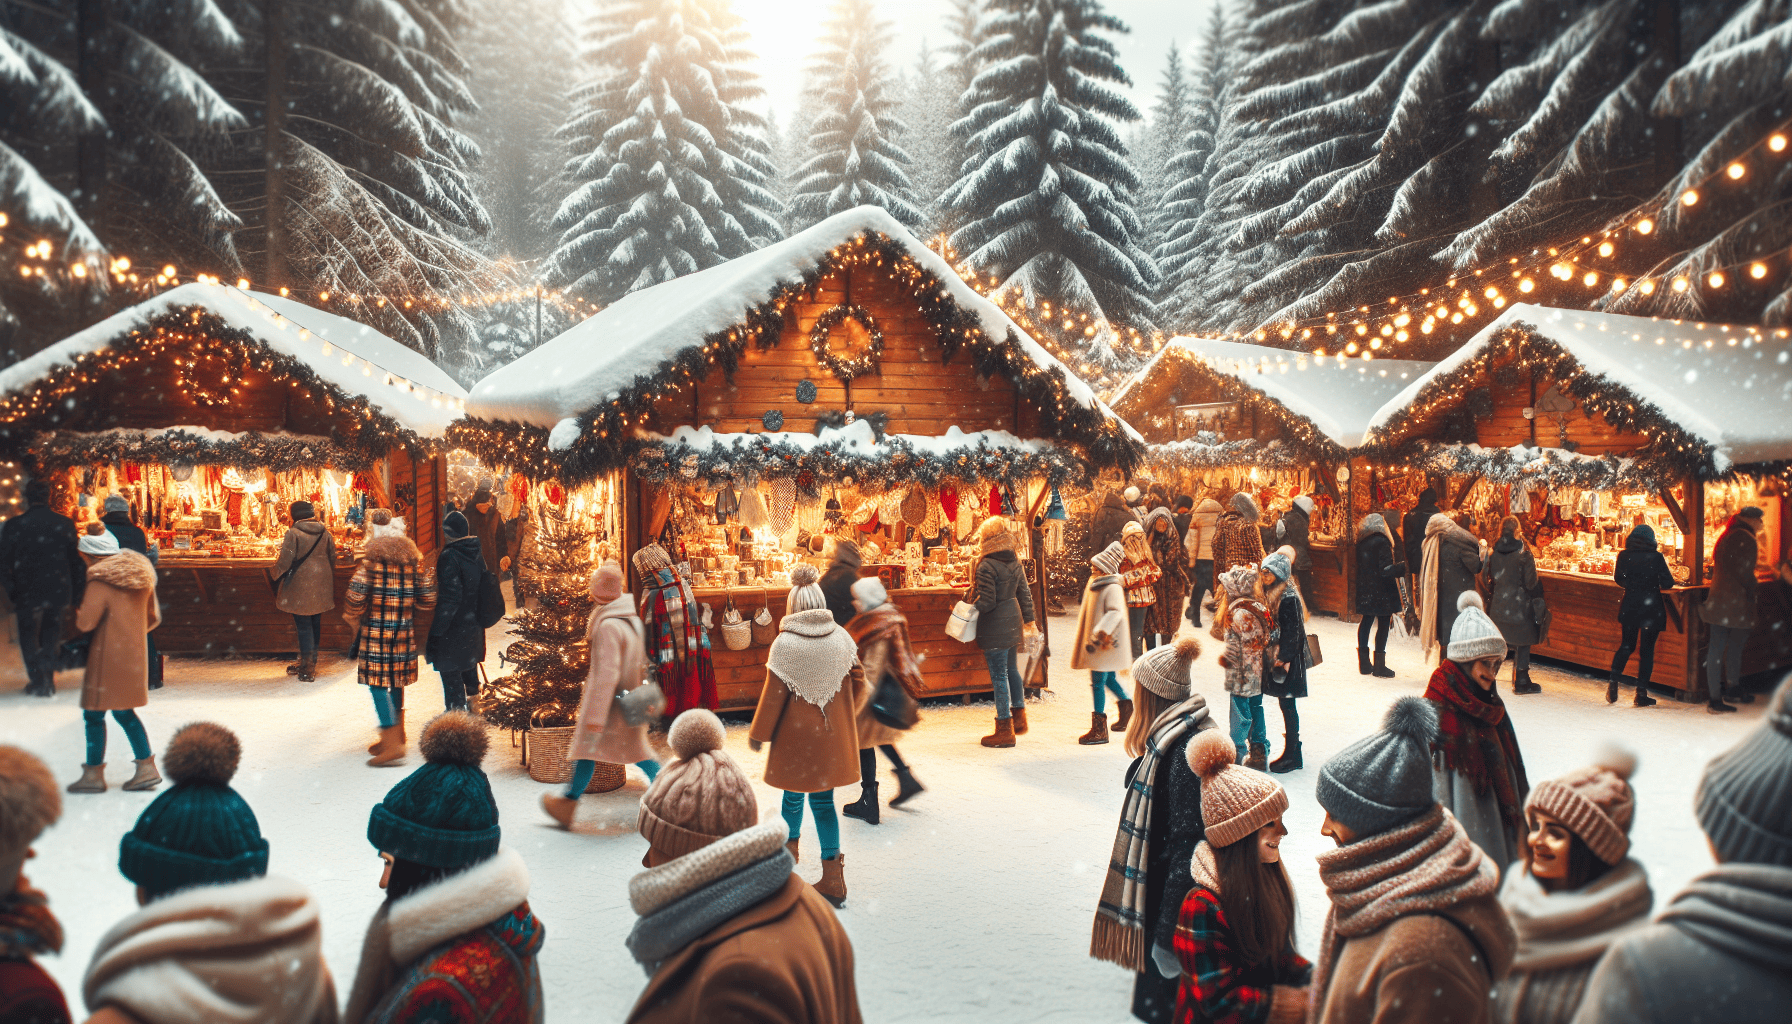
[553,654]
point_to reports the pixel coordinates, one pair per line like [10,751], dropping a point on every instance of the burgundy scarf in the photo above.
[1475,738]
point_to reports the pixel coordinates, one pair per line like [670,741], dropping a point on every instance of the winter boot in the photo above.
[832,886]
[1363,666]
[1716,707]
[1019,720]
[560,807]
[866,807]
[1125,716]
[1290,759]
[297,666]
[308,668]
[1642,698]
[146,777]
[1003,736]
[1381,669]
[796,852]
[1258,758]
[1098,730]
[1739,695]
[391,747]
[906,787]
[44,689]
[1611,687]
[92,780]
[1522,685]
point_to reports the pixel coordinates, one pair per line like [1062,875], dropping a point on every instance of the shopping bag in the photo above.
[962,626]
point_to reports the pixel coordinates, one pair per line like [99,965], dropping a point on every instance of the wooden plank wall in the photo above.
[1190,386]
[149,395]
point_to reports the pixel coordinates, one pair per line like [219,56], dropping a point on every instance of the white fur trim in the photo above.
[457,905]
[656,887]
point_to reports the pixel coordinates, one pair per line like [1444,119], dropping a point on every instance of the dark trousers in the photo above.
[1303,578]
[1627,643]
[311,631]
[458,686]
[40,641]
[1381,624]
[868,763]
[1203,587]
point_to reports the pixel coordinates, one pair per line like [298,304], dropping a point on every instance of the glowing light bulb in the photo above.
[1605,248]
[1735,171]
[1716,280]
[1648,287]
[1690,198]
[1645,226]
[1527,286]
[1777,143]
[1757,270]
[1590,280]
[1681,284]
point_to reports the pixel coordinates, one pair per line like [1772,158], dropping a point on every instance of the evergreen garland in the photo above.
[251,450]
[893,462]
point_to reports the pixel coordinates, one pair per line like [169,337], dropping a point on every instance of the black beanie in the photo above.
[454,526]
[301,511]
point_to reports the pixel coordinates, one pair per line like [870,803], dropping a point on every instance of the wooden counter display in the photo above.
[1583,628]
[1331,578]
[221,606]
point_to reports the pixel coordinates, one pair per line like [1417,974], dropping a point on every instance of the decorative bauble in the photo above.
[773,420]
[847,341]
[181,471]
[805,391]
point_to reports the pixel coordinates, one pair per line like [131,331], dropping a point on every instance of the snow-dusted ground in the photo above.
[971,904]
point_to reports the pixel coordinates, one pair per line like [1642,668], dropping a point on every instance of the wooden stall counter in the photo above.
[1331,579]
[1584,629]
[223,606]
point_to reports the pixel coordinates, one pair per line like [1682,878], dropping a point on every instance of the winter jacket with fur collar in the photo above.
[389,592]
[120,609]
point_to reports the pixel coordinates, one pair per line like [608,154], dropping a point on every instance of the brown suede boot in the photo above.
[560,808]
[308,668]
[146,777]
[92,780]
[1003,736]
[1258,758]
[832,886]
[1098,730]
[1125,716]
[391,747]
[796,853]
[1020,719]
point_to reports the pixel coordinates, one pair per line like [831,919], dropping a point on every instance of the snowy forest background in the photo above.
[433,165]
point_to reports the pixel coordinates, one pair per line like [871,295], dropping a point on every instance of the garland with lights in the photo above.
[846,368]
[282,453]
[1207,451]
[893,462]
[1550,467]
[1303,442]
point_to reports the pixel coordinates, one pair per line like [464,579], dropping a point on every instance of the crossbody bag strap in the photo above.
[294,567]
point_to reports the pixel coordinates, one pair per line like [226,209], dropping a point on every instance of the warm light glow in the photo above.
[1645,226]
[79,270]
[1681,284]
[243,282]
[1735,171]
[1716,280]
[1757,270]
[1527,286]
[1776,143]
[1690,198]
[1648,287]
[1605,248]
[1590,280]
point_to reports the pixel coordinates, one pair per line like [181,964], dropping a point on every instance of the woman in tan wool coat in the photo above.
[808,712]
[309,552]
[119,608]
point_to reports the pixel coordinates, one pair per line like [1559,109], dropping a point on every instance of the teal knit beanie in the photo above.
[199,831]
[443,814]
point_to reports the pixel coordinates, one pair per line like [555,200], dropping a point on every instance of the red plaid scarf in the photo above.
[677,645]
[1475,738]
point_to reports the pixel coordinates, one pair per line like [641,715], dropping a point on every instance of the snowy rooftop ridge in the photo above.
[857,434]
[1726,385]
[640,333]
[396,380]
[1338,396]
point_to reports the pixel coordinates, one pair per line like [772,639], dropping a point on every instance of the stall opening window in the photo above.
[1222,418]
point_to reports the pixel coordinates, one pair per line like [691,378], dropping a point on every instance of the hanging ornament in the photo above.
[181,472]
[1057,510]
[805,391]
[773,420]
[847,341]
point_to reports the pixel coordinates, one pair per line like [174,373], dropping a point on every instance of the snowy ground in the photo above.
[971,904]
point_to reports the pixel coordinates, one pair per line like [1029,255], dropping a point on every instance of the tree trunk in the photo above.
[274,272]
[90,73]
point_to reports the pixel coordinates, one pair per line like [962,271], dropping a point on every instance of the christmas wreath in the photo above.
[847,366]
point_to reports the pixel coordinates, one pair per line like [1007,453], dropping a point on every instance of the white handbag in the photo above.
[962,626]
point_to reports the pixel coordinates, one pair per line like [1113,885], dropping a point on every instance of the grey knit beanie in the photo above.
[1383,781]
[1473,636]
[1107,560]
[1164,670]
[1745,798]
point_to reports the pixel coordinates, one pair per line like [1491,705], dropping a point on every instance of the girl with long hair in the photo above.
[1140,573]
[1286,680]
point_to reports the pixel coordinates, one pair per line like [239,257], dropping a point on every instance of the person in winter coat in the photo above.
[1575,893]
[808,712]
[389,589]
[1235,932]
[1165,617]
[307,571]
[1379,574]
[1453,559]
[117,520]
[1722,950]
[119,608]
[836,583]
[1511,576]
[217,938]
[1237,540]
[1412,529]
[1643,614]
[1730,609]
[456,644]
[1415,933]
[43,575]
[1005,617]
[486,522]
[455,939]
[1245,625]
[1479,771]
[1295,530]
[1109,519]
[618,665]
[1286,679]
[727,931]
[677,643]
[1102,640]
[1160,825]
[29,803]
[881,634]
[1140,573]
[1182,512]
[1203,525]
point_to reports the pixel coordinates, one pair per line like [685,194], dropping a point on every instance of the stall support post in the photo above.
[1695,547]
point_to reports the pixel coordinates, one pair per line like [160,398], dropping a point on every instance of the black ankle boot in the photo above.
[906,787]
[1611,687]
[1290,759]
[1521,684]
[1363,667]
[1381,669]
[865,808]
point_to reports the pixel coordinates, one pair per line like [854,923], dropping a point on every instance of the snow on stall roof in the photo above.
[398,381]
[856,434]
[592,362]
[1724,384]
[1337,395]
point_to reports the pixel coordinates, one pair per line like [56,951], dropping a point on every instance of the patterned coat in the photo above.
[1236,541]
[1173,585]
[1217,985]
[388,590]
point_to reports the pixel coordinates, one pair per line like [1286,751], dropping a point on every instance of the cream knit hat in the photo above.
[1595,802]
[700,797]
[1474,635]
[1164,670]
[1235,800]
[1107,560]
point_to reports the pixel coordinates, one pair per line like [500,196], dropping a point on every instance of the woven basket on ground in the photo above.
[544,754]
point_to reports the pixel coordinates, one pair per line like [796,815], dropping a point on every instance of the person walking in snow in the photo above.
[1286,679]
[1165,617]
[1378,577]
[881,633]
[486,521]
[217,938]
[1160,824]
[1642,615]
[119,608]
[808,712]
[726,930]
[117,520]
[836,583]
[388,591]
[1730,611]
[1479,771]
[618,665]
[1575,893]
[1237,540]
[677,643]
[1511,578]
[1101,641]
[1453,560]
[29,803]
[1245,625]
[1139,572]
[43,574]
[1005,617]
[457,902]
[1412,532]
[1295,529]
[1203,525]
[306,571]
[456,643]
[1415,933]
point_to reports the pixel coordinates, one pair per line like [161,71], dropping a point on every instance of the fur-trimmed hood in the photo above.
[126,570]
[392,549]
[1245,507]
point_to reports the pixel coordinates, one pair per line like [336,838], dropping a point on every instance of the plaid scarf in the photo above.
[677,645]
[885,625]
[1119,935]
[1475,738]
[27,928]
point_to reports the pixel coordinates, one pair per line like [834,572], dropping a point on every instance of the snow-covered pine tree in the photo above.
[855,158]
[1189,174]
[1047,195]
[964,32]
[929,107]
[1160,139]
[670,165]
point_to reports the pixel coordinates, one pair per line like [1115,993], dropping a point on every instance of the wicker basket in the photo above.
[544,754]
[737,633]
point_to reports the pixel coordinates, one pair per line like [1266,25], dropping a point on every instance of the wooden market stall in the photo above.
[210,409]
[1224,416]
[1584,424]
[865,390]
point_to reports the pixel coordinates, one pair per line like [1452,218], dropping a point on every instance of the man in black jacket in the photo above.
[1412,530]
[837,582]
[43,574]
[131,537]
[456,644]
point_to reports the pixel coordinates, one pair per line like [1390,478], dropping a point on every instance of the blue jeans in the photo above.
[388,704]
[1098,680]
[1005,681]
[583,769]
[1247,723]
[311,631]
[96,734]
[827,822]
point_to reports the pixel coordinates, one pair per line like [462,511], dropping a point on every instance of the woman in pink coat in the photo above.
[618,665]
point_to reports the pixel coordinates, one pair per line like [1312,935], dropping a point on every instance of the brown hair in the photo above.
[1147,708]
[1584,866]
[1258,900]
[30,800]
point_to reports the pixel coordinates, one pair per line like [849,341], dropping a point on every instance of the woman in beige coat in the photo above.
[618,666]
[307,571]
[807,712]
[119,609]
[1102,640]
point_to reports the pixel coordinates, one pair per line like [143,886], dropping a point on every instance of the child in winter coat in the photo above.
[1140,571]
[119,607]
[1575,893]
[1235,934]
[1245,626]
[29,803]
[1102,639]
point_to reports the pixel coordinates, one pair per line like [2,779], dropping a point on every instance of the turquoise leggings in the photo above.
[388,703]
[582,770]
[827,823]
[1097,680]
[96,734]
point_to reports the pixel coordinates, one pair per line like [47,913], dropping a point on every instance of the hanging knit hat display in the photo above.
[727,504]
[889,506]
[949,499]
[1056,510]
[914,506]
[936,517]
[782,506]
[752,507]
[811,515]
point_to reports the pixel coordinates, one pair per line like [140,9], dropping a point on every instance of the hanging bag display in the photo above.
[737,633]
[765,628]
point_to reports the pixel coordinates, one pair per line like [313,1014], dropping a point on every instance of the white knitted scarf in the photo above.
[812,655]
[1562,929]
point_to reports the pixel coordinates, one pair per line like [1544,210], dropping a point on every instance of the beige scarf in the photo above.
[812,655]
[1562,929]
[1435,528]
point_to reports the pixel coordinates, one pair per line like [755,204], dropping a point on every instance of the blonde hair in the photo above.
[807,598]
[1148,707]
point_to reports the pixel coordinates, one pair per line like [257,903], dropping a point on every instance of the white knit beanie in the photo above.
[1474,636]
[99,545]
[869,592]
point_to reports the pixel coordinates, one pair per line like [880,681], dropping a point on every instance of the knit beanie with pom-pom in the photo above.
[700,797]
[1474,636]
[443,814]
[606,582]
[1383,780]
[1107,560]
[1235,801]
[199,831]
[1596,803]
[30,800]
[1164,670]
